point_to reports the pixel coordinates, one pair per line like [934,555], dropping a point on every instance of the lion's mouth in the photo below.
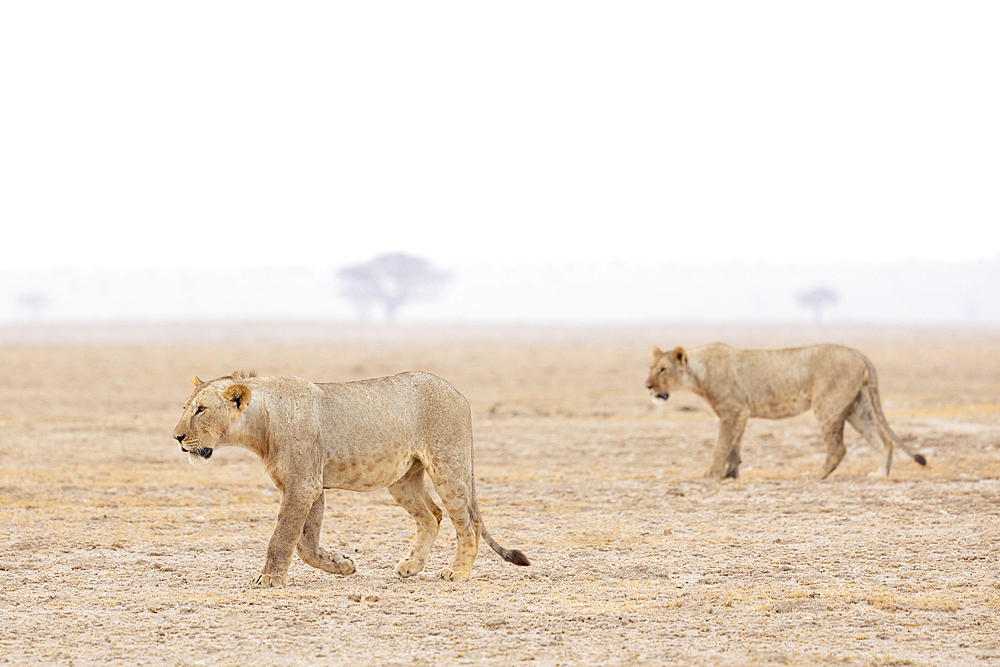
[203,452]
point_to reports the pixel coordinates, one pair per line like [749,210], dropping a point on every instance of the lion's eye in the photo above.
[201,408]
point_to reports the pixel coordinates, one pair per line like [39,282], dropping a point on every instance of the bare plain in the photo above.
[115,550]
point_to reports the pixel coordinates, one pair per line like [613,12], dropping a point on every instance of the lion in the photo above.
[837,382]
[359,436]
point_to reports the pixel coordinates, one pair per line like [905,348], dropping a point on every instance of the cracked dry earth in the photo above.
[115,550]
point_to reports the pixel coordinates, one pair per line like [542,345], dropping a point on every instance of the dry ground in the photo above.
[115,550]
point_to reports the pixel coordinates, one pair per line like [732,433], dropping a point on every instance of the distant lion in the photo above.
[359,436]
[838,383]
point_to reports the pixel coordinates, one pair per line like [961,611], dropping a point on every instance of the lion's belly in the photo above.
[361,473]
[781,407]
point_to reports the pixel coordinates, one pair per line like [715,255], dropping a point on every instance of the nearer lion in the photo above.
[838,383]
[359,436]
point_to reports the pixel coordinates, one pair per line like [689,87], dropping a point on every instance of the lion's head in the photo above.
[667,372]
[209,412]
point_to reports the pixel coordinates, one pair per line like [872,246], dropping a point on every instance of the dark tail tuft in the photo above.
[510,555]
[920,459]
[516,557]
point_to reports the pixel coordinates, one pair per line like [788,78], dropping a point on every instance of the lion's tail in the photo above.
[510,555]
[514,556]
[883,425]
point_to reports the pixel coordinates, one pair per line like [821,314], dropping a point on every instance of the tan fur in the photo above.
[359,436]
[838,383]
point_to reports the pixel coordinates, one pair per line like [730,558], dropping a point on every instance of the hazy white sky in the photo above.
[181,134]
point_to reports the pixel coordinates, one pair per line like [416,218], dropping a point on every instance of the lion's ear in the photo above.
[657,353]
[238,394]
[196,382]
[680,356]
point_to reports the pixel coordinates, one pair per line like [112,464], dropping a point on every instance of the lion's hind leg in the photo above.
[410,493]
[457,496]
[832,404]
[468,532]
[833,437]
[862,418]
[308,546]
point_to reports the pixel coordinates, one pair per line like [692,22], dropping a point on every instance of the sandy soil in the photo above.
[115,550]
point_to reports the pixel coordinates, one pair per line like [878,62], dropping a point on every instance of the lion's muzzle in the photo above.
[661,395]
[203,452]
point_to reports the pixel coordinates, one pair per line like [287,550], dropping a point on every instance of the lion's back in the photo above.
[783,381]
[414,402]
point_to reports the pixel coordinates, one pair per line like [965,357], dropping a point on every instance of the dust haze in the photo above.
[912,292]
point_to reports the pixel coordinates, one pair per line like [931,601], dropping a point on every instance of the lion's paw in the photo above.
[457,576]
[410,566]
[343,566]
[330,562]
[269,581]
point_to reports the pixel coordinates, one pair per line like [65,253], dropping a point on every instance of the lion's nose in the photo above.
[180,438]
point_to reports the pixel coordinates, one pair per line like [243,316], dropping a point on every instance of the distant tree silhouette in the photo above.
[33,303]
[389,282]
[816,299]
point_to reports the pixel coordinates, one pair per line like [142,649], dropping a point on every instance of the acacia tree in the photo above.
[389,282]
[817,299]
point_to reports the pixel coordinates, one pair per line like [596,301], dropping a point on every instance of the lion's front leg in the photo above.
[726,456]
[296,503]
[309,549]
